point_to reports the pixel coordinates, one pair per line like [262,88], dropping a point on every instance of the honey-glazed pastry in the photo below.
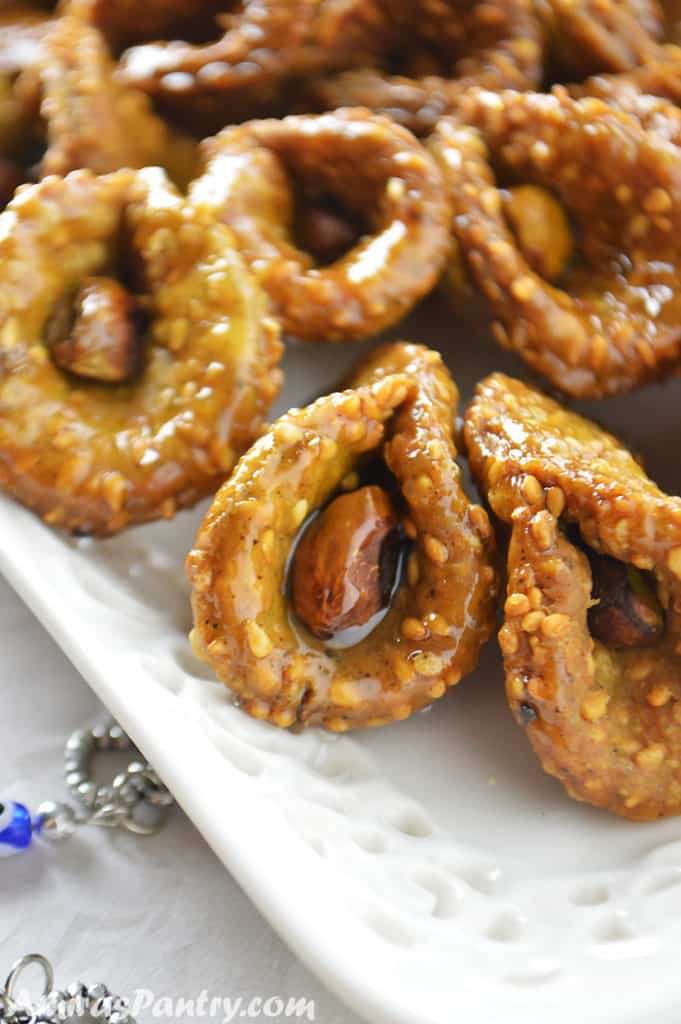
[622,92]
[592,632]
[250,49]
[585,289]
[90,119]
[342,577]
[389,191]
[452,45]
[136,357]
[636,91]
[264,49]
[352,33]
[590,36]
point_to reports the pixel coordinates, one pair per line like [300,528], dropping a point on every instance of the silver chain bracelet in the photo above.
[136,800]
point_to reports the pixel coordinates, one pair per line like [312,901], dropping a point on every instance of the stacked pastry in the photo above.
[186,183]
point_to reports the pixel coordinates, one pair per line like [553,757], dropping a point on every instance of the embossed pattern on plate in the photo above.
[429,871]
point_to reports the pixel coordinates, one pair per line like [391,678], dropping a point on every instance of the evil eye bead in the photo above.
[16,830]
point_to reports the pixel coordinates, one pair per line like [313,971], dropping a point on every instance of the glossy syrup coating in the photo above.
[91,120]
[253,45]
[642,90]
[605,721]
[654,112]
[495,45]
[351,33]
[600,35]
[399,408]
[94,458]
[612,320]
[378,170]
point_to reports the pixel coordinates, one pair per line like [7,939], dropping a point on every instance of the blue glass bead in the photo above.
[16,828]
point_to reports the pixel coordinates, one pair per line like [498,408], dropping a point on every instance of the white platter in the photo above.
[427,872]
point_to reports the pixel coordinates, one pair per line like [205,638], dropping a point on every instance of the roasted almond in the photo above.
[94,334]
[626,611]
[344,567]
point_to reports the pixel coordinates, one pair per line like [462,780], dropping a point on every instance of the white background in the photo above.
[159,913]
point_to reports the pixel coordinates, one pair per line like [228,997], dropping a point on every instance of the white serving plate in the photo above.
[428,871]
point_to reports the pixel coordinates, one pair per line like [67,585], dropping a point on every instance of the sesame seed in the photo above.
[412,629]
[427,664]
[532,490]
[555,625]
[555,501]
[299,511]
[595,705]
[508,640]
[435,550]
[532,621]
[651,756]
[258,640]
[517,604]
[659,695]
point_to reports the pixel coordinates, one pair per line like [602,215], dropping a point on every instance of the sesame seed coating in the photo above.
[599,35]
[89,118]
[95,458]
[607,721]
[252,47]
[359,157]
[440,615]
[613,319]
[495,45]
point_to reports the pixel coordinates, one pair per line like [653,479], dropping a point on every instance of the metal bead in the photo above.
[77,990]
[121,1016]
[118,738]
[100,736]
[87,793]
[74,779]
[98,991]
[55,820]
[80,742]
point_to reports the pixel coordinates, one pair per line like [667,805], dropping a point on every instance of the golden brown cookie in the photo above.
[382,177]
[136,357]
[342,577]
[449,46]
[90,119]
[607,318]
[592,632]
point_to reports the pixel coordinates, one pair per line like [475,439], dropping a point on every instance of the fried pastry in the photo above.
[452,45]
[602,315]
[592,632]
[342,577]
[383,179]
[136,357]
